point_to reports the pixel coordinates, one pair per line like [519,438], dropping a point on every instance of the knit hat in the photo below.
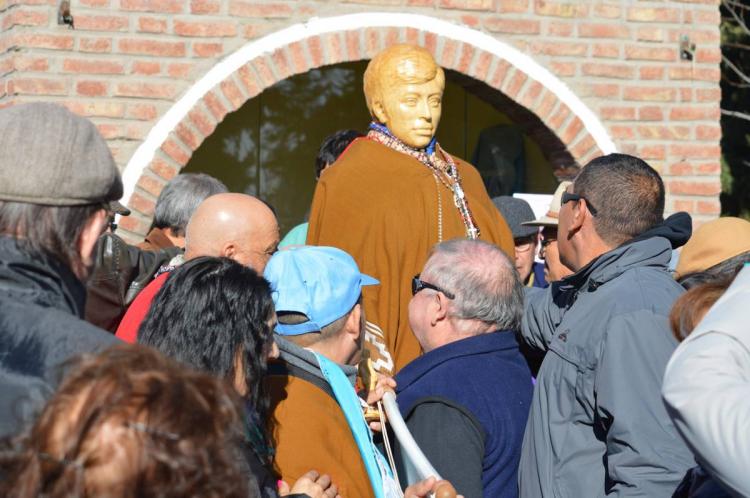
[516,211]
[550,219]
[714,242]
[48,155]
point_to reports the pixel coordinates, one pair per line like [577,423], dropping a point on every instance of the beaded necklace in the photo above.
[443,169]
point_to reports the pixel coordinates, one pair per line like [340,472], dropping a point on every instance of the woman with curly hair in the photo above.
[118,427]
[216,315]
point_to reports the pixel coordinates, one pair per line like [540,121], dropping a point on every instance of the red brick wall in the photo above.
[128,61]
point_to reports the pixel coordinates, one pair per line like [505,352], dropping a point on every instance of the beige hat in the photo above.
[550,219]
[713,243]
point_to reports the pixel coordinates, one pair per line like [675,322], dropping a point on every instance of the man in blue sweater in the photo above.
[466,400]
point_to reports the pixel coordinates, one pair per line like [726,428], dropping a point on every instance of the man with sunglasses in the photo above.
[597,424]
[466,399]
[554,270]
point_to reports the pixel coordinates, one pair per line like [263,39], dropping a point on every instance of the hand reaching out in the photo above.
[422,489]
[312,484]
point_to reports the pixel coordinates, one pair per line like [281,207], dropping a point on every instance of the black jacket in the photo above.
[41,305]
[121,271]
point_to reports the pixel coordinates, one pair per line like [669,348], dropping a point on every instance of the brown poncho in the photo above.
[380,206]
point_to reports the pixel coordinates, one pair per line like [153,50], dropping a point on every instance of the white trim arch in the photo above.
[319,26]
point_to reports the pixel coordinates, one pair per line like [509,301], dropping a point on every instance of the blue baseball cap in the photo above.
[322,283]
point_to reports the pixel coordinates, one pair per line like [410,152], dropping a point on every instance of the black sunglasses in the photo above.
[548,241]
[568,196]
[418,285]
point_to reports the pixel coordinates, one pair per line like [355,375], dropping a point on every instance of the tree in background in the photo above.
[735,108]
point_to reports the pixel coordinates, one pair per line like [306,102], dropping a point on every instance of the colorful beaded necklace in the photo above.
[443,169]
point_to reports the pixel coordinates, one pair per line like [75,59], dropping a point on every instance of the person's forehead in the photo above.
[549,231]
[403,87]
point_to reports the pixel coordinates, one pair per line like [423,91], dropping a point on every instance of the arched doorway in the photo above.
[297,49]
[267,147]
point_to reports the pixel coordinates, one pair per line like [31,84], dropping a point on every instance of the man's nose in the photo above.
[424,110]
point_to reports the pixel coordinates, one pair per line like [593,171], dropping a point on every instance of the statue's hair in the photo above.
[410,64]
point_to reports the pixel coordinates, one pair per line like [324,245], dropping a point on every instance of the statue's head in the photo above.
[404,91]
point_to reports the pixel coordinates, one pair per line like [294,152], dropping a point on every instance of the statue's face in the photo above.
[411,111]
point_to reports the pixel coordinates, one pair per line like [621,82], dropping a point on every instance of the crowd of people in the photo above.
[208,362]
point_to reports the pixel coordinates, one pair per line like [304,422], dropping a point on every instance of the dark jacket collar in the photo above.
[484,343]
[651,248]
[39,280]
[157,237]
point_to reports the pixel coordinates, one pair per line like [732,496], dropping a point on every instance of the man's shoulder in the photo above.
[155,240]
[149,292]
[302,403]
[464,378]
[639,300]
[283,371]
[363,152]
[366,158]
[45,337]
[48,322]
[641,288]
[296,391]
[138,309]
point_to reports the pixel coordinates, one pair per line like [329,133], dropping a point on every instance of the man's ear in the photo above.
[438,308]
[379,111]
[89,236]
[353,324]
[579,213]
[228,250]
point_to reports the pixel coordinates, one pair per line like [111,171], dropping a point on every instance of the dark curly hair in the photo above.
[130,423]
[210,312]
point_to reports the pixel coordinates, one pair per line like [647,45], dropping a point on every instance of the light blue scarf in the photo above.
[348,400]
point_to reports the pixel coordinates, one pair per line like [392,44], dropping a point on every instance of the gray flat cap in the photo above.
[516,211]
[48,155]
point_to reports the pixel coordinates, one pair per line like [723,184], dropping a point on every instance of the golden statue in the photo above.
[395,193]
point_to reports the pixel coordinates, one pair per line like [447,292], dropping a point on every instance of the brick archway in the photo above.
[320,42]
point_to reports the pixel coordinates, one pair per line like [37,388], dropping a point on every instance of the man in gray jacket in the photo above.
[597,425]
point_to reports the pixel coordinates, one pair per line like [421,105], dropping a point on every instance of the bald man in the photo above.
[235,226]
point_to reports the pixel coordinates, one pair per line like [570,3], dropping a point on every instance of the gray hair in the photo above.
[181,197]
[483,279]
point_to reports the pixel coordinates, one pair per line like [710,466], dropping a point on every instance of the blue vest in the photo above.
[488,377]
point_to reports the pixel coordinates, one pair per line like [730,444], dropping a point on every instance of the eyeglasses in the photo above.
[547,241]
[417,285]
[569,196]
